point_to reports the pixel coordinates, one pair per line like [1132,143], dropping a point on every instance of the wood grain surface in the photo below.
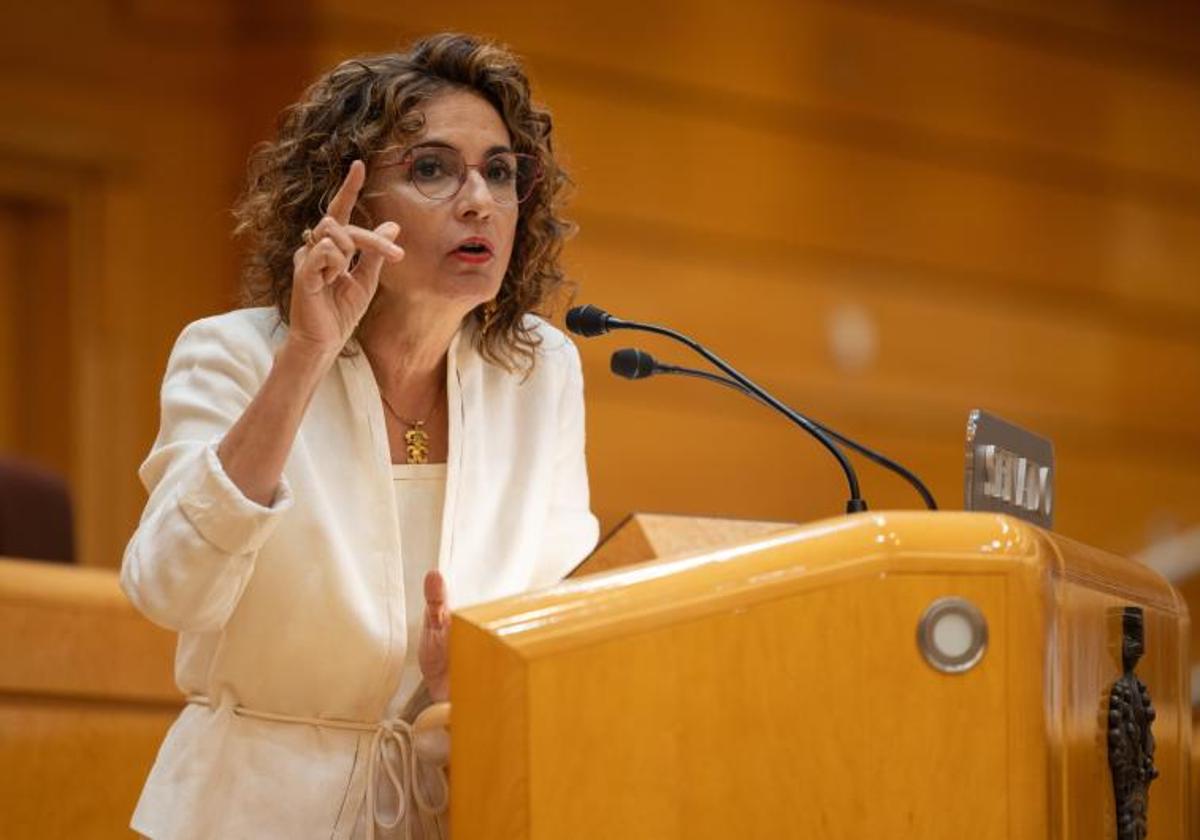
[776,689]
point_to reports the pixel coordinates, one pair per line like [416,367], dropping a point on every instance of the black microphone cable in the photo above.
[631,363]
[589,321]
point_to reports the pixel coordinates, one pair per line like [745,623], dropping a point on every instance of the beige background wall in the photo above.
[887,213]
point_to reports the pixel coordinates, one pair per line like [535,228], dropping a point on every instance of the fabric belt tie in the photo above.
[395,731]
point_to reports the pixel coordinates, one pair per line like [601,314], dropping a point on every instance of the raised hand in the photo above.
[330,292]
[433,655]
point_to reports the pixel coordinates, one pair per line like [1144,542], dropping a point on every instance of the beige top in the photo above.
[420,493]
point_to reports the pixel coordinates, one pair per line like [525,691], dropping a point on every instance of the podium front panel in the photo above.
[777,689]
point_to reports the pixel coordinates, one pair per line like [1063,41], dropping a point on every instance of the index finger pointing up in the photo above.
[344,199]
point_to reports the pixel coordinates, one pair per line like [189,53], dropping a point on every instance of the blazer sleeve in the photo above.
[193,551]
[571,529]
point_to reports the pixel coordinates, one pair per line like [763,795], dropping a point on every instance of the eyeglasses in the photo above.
[439,172]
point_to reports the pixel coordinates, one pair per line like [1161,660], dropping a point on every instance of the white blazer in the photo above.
[297,611]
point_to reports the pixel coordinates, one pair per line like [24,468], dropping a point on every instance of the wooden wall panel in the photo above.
[124,249]
[86,696]
[703,455]
[37,378]
[1161,35]
[97,756]
[126,113]
[765,191]
[1006,200]
[10,225]
[867,73]
[933,350]
[1106,396]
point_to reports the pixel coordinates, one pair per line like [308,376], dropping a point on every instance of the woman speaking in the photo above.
[391,431]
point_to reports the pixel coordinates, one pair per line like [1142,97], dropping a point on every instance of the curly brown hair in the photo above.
[366,105]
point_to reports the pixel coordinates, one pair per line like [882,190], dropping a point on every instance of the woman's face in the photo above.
[436,265]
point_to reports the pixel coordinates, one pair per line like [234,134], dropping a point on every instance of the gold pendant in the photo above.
[416,442]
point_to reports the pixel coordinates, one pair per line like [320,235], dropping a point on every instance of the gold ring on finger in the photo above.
[307,236]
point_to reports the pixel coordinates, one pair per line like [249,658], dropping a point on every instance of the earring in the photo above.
[489,314]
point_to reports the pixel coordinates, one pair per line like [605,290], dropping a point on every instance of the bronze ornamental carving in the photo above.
[1130,741]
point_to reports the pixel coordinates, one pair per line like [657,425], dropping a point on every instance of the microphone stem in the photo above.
[865,451]
[856,502]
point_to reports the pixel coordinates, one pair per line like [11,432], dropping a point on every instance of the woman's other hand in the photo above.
[330,292]
[434,652]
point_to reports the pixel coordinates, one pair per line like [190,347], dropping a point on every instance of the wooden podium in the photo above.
[788,686]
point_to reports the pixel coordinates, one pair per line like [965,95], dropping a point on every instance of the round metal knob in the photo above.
[952,635]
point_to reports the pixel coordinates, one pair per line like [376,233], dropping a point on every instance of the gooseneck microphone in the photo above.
[589,321]
[631,363]
[634,364]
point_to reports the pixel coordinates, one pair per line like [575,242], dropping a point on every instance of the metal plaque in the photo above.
[1009,470]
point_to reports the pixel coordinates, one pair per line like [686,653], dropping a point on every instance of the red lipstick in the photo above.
[473,250]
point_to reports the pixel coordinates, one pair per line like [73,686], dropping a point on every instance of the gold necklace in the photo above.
[416,439]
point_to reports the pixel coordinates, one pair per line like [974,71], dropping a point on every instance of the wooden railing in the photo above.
[86,695]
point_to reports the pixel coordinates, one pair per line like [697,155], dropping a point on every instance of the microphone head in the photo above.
[632,363]
[587,320]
